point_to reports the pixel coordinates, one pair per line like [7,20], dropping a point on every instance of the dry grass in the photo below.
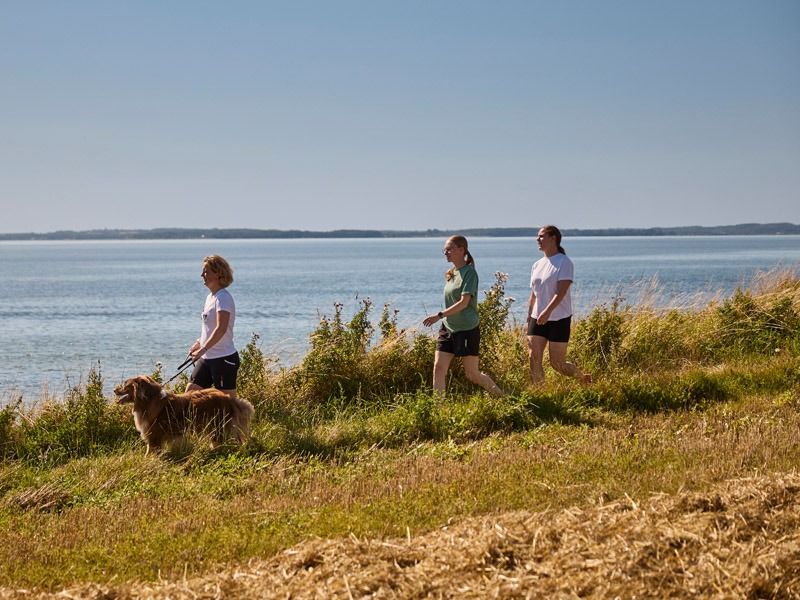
[739,540]
[646,512]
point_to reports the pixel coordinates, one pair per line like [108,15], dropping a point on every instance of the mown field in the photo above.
[656,480]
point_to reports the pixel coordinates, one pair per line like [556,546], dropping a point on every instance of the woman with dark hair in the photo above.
[550,307]
[215,356]
[460,333]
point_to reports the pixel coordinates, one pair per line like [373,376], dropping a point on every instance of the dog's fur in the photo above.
[163,417]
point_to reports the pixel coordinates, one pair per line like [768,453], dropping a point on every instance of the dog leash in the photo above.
[181,368]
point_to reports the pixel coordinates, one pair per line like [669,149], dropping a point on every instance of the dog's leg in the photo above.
[154,443]
[180,442]
[241,430]
[241,421]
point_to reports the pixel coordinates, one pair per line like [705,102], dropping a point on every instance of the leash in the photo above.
[181,369]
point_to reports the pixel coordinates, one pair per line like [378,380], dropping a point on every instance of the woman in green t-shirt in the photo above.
[460,333]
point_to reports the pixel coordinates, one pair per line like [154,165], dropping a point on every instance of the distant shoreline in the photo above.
[233,233]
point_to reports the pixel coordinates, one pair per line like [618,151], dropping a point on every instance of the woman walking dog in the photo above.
[215,356]
[460,333]
[550,307]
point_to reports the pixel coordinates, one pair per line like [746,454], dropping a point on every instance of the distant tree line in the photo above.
[175,233]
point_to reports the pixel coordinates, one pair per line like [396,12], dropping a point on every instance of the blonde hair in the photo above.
[220,267]
[461,242]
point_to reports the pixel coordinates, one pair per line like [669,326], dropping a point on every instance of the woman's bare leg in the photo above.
[441,363]
[558,360]
[536,346]
[473,373]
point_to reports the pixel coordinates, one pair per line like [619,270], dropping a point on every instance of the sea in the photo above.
[67,307]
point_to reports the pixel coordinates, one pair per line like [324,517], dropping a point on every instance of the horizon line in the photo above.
[779,228]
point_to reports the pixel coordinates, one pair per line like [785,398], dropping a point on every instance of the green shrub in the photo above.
[652,340]
[596,339]
[388,323]
[331,367]
[493,312]
[8,417]
[83,425]
[745,325]
[252,381]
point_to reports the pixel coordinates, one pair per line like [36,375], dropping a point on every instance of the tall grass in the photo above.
[84,424]
[363,383]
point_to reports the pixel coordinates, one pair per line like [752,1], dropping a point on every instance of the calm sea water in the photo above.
[65,306]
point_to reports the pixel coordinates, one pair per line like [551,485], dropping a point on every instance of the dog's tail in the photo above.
[242,414]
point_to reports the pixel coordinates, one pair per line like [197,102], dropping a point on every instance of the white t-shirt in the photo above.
[222,301]
[545,275]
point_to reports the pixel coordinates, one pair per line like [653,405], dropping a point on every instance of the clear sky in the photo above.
[398,114]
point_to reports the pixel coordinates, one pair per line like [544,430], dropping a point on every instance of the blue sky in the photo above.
[398,115]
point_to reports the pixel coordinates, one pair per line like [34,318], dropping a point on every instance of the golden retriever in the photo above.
[163,417]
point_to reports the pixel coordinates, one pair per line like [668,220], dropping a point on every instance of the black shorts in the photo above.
[553,331]
[219,371]
[460,343]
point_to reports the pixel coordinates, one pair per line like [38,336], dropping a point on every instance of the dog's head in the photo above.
[138,390]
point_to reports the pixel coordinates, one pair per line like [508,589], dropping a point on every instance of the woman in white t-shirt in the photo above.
[550,307]
[215,356]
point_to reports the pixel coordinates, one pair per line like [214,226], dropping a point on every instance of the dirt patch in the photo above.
[740,540]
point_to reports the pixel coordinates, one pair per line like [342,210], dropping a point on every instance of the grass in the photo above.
[352,441]
[141,518]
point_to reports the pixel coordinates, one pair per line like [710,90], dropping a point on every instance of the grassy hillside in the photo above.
[353,442]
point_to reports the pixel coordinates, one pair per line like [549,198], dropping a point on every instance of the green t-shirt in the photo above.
[464,281]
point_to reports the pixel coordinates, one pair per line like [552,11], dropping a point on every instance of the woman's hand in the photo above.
[430,320]
[223,318]
[543,318]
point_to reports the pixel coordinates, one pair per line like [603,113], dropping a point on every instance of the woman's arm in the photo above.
[449,311]
[531,302]
[223,318]
[561,291]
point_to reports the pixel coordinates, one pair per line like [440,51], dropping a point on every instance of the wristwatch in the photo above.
[441,314]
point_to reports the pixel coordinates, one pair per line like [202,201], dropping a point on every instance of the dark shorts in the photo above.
[219,371]
[553,331]
[460,343]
